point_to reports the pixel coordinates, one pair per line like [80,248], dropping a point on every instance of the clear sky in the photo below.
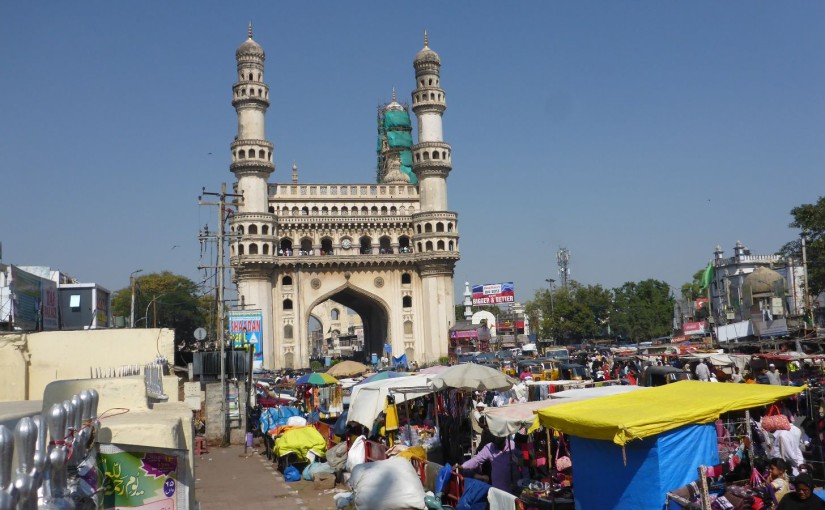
[637,134]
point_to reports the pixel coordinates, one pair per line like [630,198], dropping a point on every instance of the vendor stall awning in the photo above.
[640,414]
[510,419]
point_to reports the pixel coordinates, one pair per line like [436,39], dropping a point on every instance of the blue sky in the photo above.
[637,134]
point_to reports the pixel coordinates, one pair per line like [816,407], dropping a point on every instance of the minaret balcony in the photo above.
[250,89]
[426,152]
[250,102]
[432,168]
[428,106]
[251,149]
[251,167]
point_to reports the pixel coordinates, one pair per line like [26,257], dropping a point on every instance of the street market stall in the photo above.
[664,433]
[321,394]
[369,400]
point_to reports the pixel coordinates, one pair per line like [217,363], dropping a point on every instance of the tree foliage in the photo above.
[165,300]
[693,289]
[643,310]
[810,218]
[575,313]
[636,311]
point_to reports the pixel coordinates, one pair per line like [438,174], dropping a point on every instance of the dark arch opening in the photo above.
[373,316]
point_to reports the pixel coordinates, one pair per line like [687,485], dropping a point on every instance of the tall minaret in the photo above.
[436,227]
[252,245]
[251,151]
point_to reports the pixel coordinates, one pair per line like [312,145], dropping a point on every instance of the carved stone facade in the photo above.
[387,251]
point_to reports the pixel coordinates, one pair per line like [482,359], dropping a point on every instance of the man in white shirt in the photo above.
[773,375]
[702,371]
[786,445]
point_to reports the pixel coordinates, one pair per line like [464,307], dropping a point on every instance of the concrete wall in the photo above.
[29,362]
[215,422]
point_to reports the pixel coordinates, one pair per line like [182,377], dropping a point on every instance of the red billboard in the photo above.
[694,328]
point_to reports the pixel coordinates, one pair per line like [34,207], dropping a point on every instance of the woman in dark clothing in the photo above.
[803,497]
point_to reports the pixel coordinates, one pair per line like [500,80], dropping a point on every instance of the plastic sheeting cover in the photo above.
[399,139]
[623,418]
[396,119]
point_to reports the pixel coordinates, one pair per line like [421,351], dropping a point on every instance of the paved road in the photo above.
[226,478]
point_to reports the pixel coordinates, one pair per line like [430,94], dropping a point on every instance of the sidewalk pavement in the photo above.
[226,478]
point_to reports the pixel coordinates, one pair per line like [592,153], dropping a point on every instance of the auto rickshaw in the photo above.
[533,369]
[550,370]
[508,367]
[572,372]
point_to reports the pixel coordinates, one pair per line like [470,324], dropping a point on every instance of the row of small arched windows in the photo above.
[243,154]
[251,77]
[429,82]
[366,247]
[343,211]
[440,246]
[252,230]
[439,227]
[423,97]
[261,92]
[426,155]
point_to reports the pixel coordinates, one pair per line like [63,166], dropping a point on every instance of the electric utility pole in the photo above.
[219,291]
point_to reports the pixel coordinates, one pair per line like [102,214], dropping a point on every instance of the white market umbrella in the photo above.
[368,400]
[473,377]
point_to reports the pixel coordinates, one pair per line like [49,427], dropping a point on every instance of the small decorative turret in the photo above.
[294,172]
[468,302]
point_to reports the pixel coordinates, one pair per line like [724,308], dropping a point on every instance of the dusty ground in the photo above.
[226,478]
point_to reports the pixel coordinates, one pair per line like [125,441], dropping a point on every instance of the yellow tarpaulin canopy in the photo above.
[640,414]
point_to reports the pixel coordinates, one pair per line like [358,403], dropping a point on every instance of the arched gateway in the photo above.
[386,250]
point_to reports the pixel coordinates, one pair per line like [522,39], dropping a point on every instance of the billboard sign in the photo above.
[246,328]
[48,297]
[694,328]
[493,294]
[26,299]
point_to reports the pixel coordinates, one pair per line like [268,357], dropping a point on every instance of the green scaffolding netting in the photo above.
[399,139]
[406,158]
[396,119]
[408,171]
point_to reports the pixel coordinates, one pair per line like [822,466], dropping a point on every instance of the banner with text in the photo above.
[246,328]
[693,328]
[140,480]
[493,294]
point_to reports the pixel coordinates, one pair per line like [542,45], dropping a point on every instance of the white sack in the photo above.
[296,421]
[389,484]
[357,453]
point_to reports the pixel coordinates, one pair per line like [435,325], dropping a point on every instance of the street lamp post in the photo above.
[132,284]
[551,282]
[808,309]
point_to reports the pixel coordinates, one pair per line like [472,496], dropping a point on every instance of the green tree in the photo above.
[165,300]
[642,310]
[574,314]
[810,218]
[693,289]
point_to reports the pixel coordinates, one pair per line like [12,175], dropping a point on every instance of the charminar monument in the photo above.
[385,249]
